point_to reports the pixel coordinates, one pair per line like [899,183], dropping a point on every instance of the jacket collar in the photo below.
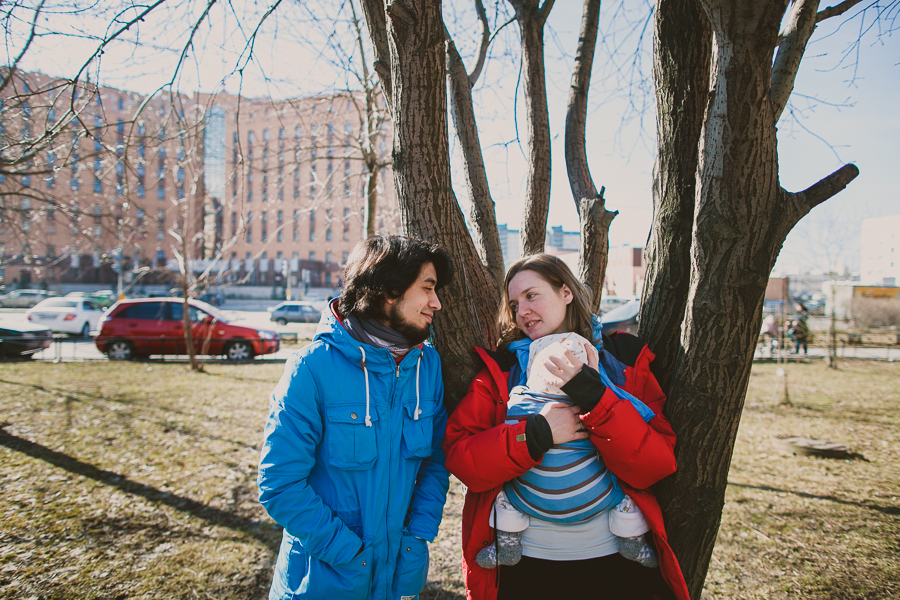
[378,360]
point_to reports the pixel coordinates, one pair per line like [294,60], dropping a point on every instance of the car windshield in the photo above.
[58,304]
[622,313]
[212,310]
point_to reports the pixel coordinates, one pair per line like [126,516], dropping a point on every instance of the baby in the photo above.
[575,466]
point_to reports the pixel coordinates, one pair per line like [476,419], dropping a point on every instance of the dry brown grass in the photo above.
[136,480]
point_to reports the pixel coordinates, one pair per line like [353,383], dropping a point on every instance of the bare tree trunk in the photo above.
[531,16]
[742,217]
[682,51]
[484,219]
[421,159]
[592,214]
[371,202]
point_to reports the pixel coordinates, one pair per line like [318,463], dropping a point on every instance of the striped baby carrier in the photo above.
[571,484]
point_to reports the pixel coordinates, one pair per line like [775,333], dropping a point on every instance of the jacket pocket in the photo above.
[299,575]
[418,428]
[411,573]
[350,443]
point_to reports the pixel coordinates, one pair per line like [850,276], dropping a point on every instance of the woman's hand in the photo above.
[562,365]
[564,422]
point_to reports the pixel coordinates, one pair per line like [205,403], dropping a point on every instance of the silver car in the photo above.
[23,298]
[291,311]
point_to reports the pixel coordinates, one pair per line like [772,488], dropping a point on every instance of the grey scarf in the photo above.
[373,333]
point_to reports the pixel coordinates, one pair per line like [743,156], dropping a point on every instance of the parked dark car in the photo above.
[22,339]
[291,311]
[141,327]
[624,318]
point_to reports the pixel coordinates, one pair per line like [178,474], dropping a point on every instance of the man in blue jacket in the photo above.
[352,464]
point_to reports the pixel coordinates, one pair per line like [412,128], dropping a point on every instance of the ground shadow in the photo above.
[261,531]
[888,510]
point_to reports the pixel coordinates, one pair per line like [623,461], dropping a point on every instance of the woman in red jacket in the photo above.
[541,296]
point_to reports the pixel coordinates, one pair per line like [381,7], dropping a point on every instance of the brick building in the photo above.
[98,181]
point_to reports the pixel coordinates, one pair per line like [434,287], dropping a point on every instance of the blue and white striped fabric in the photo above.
[571,484]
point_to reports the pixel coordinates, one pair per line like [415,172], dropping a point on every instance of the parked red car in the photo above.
[145,326]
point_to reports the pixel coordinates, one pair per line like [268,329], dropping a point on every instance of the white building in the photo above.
[880,251]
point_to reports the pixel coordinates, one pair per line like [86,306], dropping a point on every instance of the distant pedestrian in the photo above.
[800,332]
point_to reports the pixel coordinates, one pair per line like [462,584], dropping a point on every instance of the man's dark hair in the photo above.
[383,267]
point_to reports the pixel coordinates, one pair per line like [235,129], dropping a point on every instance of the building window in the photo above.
[265,225]
[312,255]
[328,257]
[344,256]
[234,224]
[249,224]
[312,225]
[295,226]
[346,232]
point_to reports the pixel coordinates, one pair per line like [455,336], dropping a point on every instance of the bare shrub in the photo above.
[876,312]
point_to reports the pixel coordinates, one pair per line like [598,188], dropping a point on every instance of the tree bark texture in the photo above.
[428,208]
[593,216]
[483,216]
[741,219]
[681,59]
[376,22]
[800,26]
[531,18]
[371,205]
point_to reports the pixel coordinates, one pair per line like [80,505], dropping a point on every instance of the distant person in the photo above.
[800,332]
[352,464]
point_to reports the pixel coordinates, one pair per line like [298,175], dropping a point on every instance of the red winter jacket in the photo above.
[484,453]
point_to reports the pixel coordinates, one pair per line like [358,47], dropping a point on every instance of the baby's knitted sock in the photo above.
[638,550]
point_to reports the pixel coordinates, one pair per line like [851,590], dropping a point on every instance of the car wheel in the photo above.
[86,330]
[281,321]
[120,350]
[239,350]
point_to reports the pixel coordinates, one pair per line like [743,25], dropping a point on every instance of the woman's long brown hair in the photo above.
[557,273]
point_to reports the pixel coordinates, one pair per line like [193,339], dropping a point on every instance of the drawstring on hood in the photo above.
[418,368]
[362,363]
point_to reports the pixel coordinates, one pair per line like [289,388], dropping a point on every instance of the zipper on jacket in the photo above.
[398,370]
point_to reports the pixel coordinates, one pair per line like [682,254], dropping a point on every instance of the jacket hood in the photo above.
[378,360]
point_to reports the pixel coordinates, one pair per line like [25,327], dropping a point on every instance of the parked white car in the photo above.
[76,316]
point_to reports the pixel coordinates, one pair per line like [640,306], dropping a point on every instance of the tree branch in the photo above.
[799,28]
[484,219]
[376,22]
[826,188]
[485,42]
[834,11]
[537,186]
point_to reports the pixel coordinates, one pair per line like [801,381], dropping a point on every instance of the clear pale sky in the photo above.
[843,110]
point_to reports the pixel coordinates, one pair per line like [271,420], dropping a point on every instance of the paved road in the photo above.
[259,319]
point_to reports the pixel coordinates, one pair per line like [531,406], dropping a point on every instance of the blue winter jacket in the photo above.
[352,458]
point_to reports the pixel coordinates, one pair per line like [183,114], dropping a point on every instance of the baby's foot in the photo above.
[509,547]
[638,550]
[487,558]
